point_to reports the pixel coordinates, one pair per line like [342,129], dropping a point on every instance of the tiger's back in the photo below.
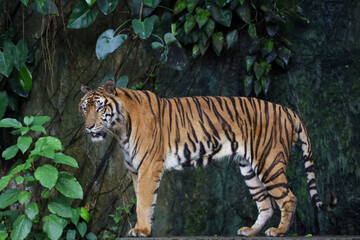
[158,134]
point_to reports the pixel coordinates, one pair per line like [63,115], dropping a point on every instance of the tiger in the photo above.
[161,134]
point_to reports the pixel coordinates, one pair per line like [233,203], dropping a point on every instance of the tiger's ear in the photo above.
[109,87]
[85,89]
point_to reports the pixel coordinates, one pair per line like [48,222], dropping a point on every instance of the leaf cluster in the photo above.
[201,24]
[121,213]
[59,188]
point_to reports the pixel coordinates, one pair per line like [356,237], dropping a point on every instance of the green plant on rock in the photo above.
[121,213]
[39,171]
[200,24]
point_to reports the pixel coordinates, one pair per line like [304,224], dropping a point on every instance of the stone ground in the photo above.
[253,238]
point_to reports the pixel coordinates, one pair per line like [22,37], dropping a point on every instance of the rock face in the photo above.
[322,84]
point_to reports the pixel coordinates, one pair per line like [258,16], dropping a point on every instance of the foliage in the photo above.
[201,23]
[59,188]
[120,214]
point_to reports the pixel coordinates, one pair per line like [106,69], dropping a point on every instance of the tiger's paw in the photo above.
[139,232]
[274,232]
[246,231]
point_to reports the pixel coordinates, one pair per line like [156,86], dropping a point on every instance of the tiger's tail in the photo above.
[309,168]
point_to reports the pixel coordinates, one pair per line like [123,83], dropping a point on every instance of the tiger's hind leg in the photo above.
[277,186]
[261,197]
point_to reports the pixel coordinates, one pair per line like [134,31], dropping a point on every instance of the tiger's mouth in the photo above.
[98,136]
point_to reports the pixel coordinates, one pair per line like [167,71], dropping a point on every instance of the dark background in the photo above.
[322,83]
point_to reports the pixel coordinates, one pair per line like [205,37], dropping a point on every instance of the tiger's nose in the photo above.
[90,126]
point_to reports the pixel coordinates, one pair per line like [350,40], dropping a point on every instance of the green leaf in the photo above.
[90,2]
[31,210]
[252,31]
[70,235]
[222,16]
[248,83]
[150,3]
[259,70]
[169,39]
[10,122]
[3,235]
[143,29]
[29,178]
[84,214]
[244,12]
[82,228]
[232,38]
[25,79]
[19,180]
[209,27]
[268,47]
[122,82]
[47,175]
[45,7]
[64,159]
[28,120]
[249,60]
[60,209]
[195,51]
[20,53]
[222,3]
[204,47]
[7,59]
[21,227]
[189,23]
[107,43]
[242,1]
[40,120]
[284,54]
[191,5]
[272,29]
[23,196]
[10,152]
[91,236]
[257,87]
[4,102]
[82,16]
[265,82]
[20,167]
[202,16]
[23,143]
[180,5]
[46,146]
[157,45]
[45,193]
[107,6]
[17,88]
[25,2]
[75,216]
[24,130]
[4,181]
[217,42]
[54,226]
[69,186]
[9,197]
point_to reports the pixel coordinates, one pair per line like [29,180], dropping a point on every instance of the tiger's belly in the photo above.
[200,154]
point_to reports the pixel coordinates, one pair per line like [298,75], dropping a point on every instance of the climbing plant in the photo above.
[40,167]
[199,24]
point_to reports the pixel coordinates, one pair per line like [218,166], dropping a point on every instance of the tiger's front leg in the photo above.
[148,182]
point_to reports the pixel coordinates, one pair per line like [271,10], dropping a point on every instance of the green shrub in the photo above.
[59,188]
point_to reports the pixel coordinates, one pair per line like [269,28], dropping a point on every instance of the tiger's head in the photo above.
[100,110]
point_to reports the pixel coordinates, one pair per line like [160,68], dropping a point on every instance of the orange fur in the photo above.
[158,134]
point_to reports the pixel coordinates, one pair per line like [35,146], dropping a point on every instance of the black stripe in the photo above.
[229,111]
[126,93]
[212,126]
[186,152]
